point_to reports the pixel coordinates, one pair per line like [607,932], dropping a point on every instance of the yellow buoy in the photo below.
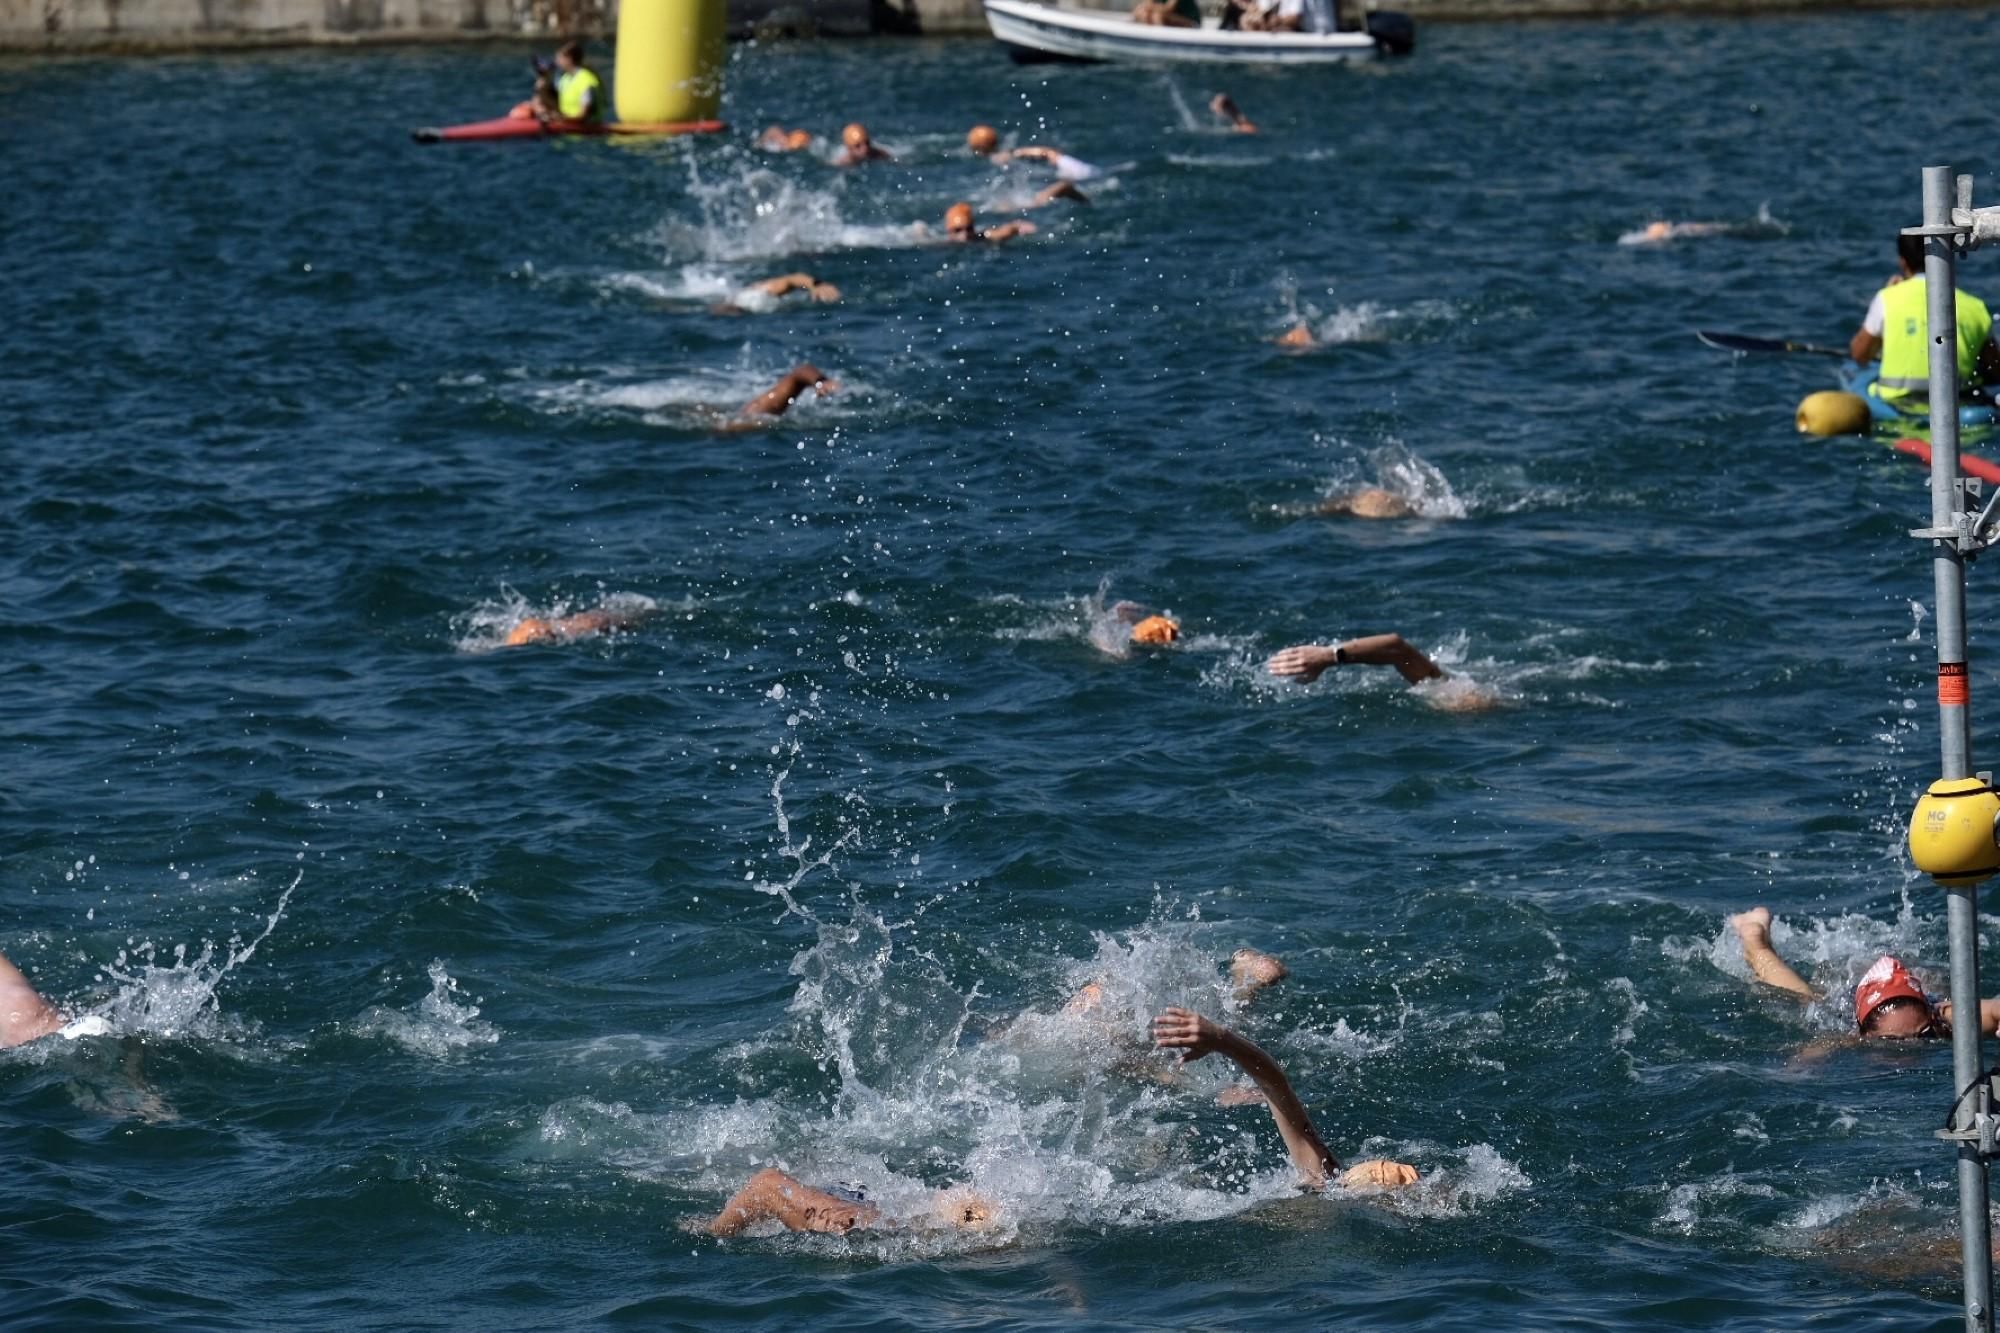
[670,55]
[1952,831]
[1831,412]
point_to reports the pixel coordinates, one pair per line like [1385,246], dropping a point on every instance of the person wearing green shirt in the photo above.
[1896,329]
[579,92]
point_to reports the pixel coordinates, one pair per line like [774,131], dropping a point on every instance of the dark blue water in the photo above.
[301,418]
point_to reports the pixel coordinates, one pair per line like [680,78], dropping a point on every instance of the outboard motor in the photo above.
[1394,32]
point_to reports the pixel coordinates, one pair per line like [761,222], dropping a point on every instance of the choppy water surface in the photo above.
[460,979]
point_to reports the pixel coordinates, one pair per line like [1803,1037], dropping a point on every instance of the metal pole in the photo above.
[1955,739]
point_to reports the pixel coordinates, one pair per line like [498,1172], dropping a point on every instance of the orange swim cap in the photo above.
[798,139]
[855,135]
[1155,629]
[532,629]
[982,139]
[958,217]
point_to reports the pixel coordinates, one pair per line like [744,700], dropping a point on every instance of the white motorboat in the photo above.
[1038,32]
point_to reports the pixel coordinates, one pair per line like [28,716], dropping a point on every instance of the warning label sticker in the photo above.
[1954,687]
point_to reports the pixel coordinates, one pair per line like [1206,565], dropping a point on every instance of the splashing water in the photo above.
[437,1026]
[486,626]
[757,214]
[175,1000]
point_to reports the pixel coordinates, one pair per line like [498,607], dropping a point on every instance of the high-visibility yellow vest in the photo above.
[571,87]
[1906,354]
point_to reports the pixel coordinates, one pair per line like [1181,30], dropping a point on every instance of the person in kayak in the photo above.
[1888,1003]
[541,105]
[984,140]
[1896,330]
[579,92]
[857,147]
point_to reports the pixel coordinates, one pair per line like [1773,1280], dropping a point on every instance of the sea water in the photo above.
[422,982]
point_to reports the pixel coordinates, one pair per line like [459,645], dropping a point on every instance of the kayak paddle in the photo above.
[1738,342]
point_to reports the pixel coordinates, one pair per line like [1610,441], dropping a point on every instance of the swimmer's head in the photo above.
[958,221]
[1252,971]
[962,1210]
[1156,630]
[797,139]
[532,629]
[1377,1173]
[855,136]
[1890,1003]
[1659,231]
[982,139]
[1374,502]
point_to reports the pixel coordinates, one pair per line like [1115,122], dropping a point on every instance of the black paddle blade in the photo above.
[1743,342]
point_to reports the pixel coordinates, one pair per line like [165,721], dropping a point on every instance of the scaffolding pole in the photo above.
[1971,1126]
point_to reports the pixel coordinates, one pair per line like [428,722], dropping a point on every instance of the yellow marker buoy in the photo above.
[669,65]
[1831,412]
[1952,831]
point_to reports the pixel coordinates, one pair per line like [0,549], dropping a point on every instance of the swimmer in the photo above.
[1366,502]
[1888,1004]
[24,1014]
[564,629]
[960,228]
[778,139]
[817,292]
[1297,338]
[985,141]
[773,1196]
[857,148]
[775,401]
[1195,1037]
[1657,233]
[1250,973]
[1117,629]
[1305,662]
[1223,105]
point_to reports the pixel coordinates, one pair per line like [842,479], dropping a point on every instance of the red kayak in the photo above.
[526,127]
[1969,465]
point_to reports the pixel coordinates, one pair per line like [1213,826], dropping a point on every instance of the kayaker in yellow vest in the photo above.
[579,92]
[1896,329]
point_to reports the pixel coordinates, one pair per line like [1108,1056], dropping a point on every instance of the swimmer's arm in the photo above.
[789,282]
[1306,662]
[1989,1016]
[1036,153]
[1195,1037]
[24,1014]
[1753,928]
[1007,231]
[771,1194]
[775,400]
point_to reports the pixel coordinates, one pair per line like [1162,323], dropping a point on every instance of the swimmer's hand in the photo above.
[1304,662]
[1189,1033]
[1753,925]
[826,387]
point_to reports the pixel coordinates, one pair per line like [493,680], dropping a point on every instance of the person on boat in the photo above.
[579,92]
[1168,13]
[762,294]
[1896,330]
[984,140]
[1888,1002]
[582,625]
[1223,105]
[778,139]
[961,228]
[542,105]
[857,147]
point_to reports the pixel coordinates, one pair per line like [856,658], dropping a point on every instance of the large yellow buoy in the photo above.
[1952,831]
[670,55]
[1829,412]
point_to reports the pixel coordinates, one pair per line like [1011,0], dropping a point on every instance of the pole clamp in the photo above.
[1983,1134]
[1970,532]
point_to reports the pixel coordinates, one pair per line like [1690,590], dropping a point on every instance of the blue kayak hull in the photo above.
[1860,381]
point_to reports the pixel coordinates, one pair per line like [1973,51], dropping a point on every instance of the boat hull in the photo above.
[1860,381]
[1037,32]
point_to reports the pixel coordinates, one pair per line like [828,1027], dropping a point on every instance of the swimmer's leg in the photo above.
[773,1195]
[24,1014]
